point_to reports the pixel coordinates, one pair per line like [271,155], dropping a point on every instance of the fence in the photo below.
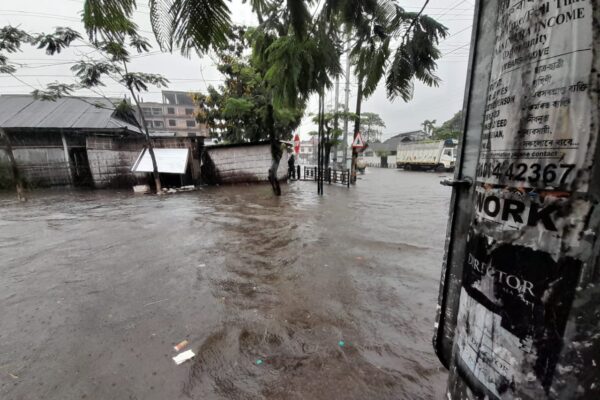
[329,175]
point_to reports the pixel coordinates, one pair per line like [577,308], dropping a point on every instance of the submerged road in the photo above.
[297,297]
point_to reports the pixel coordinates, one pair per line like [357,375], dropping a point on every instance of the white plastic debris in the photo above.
[181,357]
[141,189]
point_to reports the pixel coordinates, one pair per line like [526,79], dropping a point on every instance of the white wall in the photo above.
[245,163]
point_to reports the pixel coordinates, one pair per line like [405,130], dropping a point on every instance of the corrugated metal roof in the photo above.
[23,111]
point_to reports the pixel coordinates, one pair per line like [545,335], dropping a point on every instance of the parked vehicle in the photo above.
[423,155]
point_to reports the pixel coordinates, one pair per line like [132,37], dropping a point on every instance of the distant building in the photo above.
[176,115]
[308,151]
[384,154]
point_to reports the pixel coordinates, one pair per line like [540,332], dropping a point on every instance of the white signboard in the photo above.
[168,161]
[518,282]
[538,109]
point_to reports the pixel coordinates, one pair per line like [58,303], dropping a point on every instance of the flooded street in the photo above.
[297,297]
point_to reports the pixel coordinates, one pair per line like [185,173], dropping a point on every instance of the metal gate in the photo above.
[519,300]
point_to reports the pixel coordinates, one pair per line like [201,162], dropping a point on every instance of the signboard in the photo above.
[297,144]
[169,161]
[523,255]
[358,142]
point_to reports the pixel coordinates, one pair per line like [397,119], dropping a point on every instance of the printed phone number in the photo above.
[549,174]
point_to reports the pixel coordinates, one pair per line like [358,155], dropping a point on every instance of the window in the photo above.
[156,111]
[158,124]
[146,110]
[171,110]
[190,123]
[448,152]
[172,122]
[189,111]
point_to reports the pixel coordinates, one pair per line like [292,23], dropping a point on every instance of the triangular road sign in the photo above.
[358,141]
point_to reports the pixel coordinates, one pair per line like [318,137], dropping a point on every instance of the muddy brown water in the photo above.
[97,286]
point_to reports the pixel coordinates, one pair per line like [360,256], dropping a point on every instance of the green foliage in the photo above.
[54,91]
[190,25]
[451,129]
[55,42]
[108,19]
[140,80]
[415,37]
[429,126]
[370,127]
[11,40]
[237,111]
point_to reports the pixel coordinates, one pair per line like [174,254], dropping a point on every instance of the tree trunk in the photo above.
[328,147]
[276,152]
[13,165]
[356,130]
[148,144]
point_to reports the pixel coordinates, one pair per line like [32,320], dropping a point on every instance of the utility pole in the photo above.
[347,100]
[335,115]
[519,301]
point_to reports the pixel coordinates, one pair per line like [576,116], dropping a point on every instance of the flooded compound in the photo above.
[297,297]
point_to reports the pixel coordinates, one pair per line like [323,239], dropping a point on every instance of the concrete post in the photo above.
[520,289]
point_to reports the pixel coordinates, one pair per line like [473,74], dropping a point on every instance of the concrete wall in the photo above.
[111,160]
[375,161]
[242,163]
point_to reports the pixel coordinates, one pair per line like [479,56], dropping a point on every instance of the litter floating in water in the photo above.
[181,345]
[181,357]
[342,343]
[259,361]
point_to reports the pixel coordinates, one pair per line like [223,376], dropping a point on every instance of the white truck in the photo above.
[428,154]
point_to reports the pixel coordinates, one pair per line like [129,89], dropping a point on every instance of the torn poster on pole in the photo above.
[523,258]
[168,161]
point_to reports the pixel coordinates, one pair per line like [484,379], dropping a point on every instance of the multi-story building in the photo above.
[308,151]
[175,115]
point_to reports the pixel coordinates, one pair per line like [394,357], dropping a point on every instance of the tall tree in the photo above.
[294,66]
[235,112]
[114,65]
[415,37]
[333,134]
[428,126]
[370,126]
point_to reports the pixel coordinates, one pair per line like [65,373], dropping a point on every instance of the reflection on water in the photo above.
[244,276]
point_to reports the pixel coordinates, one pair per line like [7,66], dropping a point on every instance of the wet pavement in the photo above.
[335,296]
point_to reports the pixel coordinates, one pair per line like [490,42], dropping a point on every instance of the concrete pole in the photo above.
[347,101]
[335,110]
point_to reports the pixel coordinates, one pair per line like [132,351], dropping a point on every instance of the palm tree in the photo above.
[428,126]
[415,36]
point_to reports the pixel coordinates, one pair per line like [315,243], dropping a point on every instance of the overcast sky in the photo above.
[195,73]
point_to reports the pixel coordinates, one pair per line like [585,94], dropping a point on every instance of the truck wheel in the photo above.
[439,168]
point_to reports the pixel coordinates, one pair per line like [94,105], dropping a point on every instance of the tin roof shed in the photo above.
[80,113]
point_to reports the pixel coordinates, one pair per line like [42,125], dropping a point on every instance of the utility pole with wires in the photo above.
[335,115]
[346,102]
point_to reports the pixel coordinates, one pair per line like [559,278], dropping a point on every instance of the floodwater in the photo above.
[297,297]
